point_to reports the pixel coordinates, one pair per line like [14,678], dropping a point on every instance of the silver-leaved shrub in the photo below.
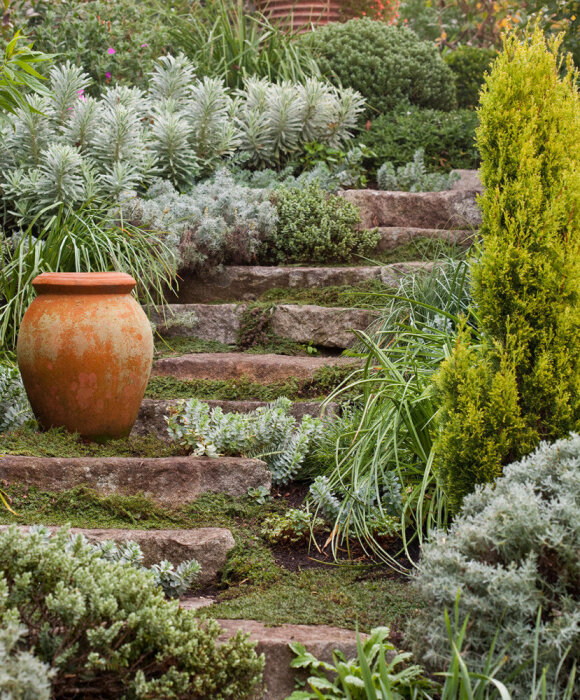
[513,554]
[269,433]
[106,628]
[413,176]
[22,675]
[14,407]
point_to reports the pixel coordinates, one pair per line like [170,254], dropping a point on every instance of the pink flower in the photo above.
[144,45]
[111,51]
[108,75]
[81,95]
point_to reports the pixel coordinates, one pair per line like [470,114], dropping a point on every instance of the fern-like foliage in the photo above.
[269,433]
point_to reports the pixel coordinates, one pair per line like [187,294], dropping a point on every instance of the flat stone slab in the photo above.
[235,365]
[395,236]
[208,545]
[452,209]
[153,412]
[279,678]
[171,481]
[322,326]
[468,180]
[246,283]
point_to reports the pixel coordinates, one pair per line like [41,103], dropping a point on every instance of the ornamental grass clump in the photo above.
[512,553]
[105,628]
[520,382]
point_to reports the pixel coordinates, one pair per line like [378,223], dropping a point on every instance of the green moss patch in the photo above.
[60,443]
[362,295]
[324,381]
[340,596]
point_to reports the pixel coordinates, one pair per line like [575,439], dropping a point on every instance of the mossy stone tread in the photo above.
[394,236]
[208,545]
[451,209]
[248,282]
[235,365]
[170,481]
[273,642]
[322,326]
[153,412]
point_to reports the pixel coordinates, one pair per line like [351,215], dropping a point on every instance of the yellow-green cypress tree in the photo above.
[522,382]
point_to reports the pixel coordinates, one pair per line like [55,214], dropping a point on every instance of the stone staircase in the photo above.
[211,308]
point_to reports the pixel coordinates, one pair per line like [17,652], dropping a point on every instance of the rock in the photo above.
[171,481]
[208,545]
[235,365]
[151,419]
[468,180]
[245,283]
[193,602]
[452,209]
[393,237]
[240,283]
[273,642]
[322,326]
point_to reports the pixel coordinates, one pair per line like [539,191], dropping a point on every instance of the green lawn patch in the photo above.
[340,596]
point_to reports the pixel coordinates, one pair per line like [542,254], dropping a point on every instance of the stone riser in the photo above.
[321,326]
[153,413]
[170,481]
[255,368]
[246,283]
[207,545]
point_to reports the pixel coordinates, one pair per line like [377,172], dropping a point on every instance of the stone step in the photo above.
[264,369]
[170,481]
[279,678]
[248,282]
[208,545]
[153,412]
[394,236]
[449,210]
[322,326]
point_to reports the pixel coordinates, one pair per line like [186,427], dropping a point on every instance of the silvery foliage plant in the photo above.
[73,147]
[174,581]
[269,433]
[14,407]
[413,177]
[513,556]
[22,675]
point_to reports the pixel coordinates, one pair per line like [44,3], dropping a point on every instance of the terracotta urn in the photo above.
[85,349]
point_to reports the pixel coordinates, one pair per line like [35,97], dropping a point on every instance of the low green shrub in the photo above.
[117,41]
[413,177]
[469,64]
[291,527]
[315,227]
[105,627]
[448,138]
[512,552]
[269,433]
[388,65]
[22,675]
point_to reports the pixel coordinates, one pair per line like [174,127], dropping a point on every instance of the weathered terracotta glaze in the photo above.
[85,350]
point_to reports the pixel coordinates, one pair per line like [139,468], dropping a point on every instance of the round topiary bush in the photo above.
[469,64]
[105,629]
[388,65]
[513,554]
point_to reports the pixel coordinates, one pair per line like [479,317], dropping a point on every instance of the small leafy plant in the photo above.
[269,433]
[413,177]
[295,525]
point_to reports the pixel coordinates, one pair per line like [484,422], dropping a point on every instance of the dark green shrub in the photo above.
[106,630]
[512,553]
[522,382]
[469,64]
[388,65]
[315,227]
[448,138]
